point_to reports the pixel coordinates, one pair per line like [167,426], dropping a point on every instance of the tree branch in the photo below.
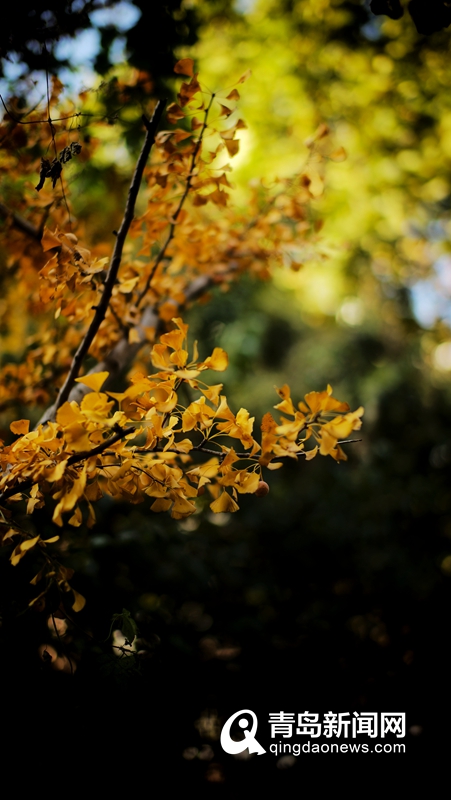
[21,223]
[115,263]
[73,459]
[124,352]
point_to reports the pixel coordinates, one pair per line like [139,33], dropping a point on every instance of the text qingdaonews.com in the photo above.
[284,748]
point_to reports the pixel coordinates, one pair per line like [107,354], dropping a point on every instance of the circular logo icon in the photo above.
[249,741]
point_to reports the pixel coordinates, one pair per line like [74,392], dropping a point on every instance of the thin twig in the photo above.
[115,260]
[43,121]
[162,253]
[208,451]
[53,134]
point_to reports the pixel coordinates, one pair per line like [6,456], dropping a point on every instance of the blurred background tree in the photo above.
[334,592]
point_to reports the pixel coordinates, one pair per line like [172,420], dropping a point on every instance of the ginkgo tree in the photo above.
[100,313]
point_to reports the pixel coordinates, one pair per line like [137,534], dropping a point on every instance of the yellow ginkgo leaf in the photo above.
[134,336]
[127,286]
[224,504]
[22,548]
[79,601]
[219,360]
[161,504]
[29,543]
[309,454]
[94,380]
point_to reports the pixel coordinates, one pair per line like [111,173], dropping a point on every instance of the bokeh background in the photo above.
[333,592]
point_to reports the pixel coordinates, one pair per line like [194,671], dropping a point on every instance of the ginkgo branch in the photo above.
[115,263]
[75,458]
[208,451]
[124,351]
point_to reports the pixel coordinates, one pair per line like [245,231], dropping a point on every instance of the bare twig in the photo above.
[42,121]
[114,264]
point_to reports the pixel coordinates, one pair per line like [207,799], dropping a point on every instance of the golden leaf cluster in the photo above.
[147,443]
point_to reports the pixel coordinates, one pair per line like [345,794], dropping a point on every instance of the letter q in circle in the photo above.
[249,741]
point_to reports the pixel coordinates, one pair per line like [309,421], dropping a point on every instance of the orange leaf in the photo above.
[218,198]
[21,426]
[179,135]
[188,90]
[174,113]
[268,423]
[225,111]
[167,310]
[184,67]
[233,145]
[200,200]
[49,240]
